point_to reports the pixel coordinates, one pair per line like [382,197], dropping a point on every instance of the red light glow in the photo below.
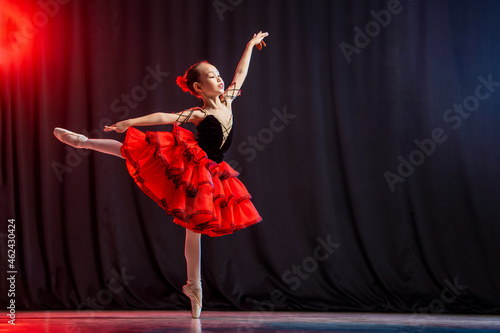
[16,32]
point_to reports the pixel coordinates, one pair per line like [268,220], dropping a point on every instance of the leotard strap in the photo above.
[231,93]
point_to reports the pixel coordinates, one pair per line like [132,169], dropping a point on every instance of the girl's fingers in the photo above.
[109,128]
[261,34]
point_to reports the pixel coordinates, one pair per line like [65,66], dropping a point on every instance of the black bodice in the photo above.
[210,137]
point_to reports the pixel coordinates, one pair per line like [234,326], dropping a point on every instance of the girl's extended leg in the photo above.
[192,289]
[106,146]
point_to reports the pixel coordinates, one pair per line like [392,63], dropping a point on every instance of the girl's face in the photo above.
[211,83]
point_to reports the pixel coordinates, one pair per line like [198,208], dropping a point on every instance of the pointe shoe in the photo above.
[194,293]
[70,138]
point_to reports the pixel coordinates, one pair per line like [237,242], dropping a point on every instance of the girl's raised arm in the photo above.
[242,68]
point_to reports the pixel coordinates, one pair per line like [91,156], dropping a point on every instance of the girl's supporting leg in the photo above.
[192,252]
[106,146]
[192,289]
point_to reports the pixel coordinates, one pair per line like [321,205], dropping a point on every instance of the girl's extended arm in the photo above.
[158,118]
[242,69]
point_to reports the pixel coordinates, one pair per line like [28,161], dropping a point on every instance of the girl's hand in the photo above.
[119,127]
[258,38]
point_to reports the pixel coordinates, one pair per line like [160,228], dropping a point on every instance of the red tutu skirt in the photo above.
[176,173]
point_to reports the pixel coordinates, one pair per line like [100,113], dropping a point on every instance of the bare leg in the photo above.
[192,289]
[192,252]
[107,146]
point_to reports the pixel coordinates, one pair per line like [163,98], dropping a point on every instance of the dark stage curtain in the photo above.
[367,133]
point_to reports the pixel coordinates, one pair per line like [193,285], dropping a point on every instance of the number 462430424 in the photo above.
[11,243]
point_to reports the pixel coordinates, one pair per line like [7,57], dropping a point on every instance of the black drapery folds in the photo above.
[367,133]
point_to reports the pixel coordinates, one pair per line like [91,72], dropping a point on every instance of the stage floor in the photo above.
[217,321]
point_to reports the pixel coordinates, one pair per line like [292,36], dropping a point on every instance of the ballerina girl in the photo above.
[184,174]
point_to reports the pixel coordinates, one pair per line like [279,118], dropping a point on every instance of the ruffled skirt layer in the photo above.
[176,173]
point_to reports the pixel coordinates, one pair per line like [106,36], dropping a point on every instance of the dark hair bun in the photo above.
[192,76]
